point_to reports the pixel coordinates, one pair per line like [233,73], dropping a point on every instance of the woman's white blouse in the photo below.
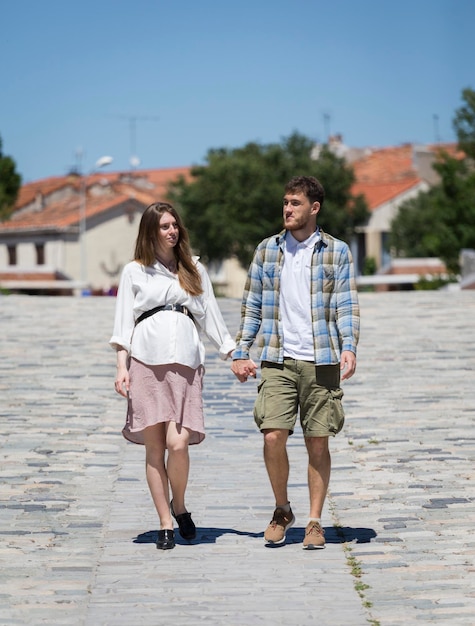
[167,336]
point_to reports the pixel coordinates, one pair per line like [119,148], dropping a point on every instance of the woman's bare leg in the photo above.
[178,464]
[156,473]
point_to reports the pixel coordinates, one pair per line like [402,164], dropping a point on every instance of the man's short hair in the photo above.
[309,186]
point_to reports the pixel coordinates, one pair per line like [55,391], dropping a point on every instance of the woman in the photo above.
[164,296]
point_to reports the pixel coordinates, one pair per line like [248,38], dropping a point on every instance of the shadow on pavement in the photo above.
[332,535]
[294,535]
[358,535]
[203,535]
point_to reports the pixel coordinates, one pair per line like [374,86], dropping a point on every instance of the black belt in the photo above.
[179,308]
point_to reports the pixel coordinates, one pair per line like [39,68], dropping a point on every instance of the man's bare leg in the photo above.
[277,462]
[319,468]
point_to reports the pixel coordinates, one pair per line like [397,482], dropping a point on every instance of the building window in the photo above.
[12,255]
[385,251]
[40,253]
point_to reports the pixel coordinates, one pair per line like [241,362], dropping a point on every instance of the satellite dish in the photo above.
[134,161]
[103,161]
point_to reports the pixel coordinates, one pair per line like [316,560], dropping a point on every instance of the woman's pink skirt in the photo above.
[164,393]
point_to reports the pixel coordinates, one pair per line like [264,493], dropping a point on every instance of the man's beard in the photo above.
[294,224]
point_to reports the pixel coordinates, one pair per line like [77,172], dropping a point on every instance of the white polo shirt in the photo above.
[295,303]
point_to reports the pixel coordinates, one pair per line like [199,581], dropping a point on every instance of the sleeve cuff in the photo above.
[116,343]
[240,353]
[226,348]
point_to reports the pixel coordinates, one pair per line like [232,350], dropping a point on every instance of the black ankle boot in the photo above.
[186,525]
[166,539]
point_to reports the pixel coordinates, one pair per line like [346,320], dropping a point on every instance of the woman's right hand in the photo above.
[122,381]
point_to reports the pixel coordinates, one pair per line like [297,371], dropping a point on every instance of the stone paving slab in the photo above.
[77,526]
[409,451]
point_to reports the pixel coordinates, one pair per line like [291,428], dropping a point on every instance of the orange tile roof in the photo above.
[380,175]
[450,148]
[377,194]
[45,186]
[150,186]
[385,173]
[161,178]
[386,165]
[29,191]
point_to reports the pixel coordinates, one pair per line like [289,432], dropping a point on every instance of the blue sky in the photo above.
[167,81]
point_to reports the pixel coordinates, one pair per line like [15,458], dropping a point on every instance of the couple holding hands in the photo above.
[301,296]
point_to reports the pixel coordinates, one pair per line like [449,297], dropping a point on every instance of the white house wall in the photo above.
[110,245]
[228,278]
[69,259]
[381,218]
[25,256]
[3,257]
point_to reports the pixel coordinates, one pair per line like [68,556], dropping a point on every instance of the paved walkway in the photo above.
[77,526]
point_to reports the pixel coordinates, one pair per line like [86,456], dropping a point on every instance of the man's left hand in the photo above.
[347,364]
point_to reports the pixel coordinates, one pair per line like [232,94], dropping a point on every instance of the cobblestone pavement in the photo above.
[77,526]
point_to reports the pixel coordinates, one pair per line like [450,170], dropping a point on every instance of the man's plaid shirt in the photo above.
[334,298]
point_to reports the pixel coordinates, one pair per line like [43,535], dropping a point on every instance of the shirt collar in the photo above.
[310,242]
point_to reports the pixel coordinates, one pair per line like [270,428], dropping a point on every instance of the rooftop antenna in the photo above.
[79,155]
[326,126]
[436,128]
[134,160]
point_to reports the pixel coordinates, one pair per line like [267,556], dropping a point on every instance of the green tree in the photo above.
[441,222]
[464,123]
[235,200]
[10,183]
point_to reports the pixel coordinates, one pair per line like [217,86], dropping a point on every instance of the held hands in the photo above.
[243,368]
[347,364]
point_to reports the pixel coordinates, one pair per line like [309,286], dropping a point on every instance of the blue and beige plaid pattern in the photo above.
[334,297]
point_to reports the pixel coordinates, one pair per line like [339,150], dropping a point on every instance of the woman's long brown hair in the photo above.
[146,246]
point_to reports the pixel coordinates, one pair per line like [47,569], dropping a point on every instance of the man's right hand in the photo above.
[243,368]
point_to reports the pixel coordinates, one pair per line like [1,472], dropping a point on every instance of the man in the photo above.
[301,289]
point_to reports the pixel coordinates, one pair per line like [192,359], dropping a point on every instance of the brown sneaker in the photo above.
[281,521]
[314,537]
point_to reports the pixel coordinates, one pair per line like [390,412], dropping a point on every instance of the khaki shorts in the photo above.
[294,387]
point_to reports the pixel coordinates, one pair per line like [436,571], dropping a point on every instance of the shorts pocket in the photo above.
[336,414]
[259,404]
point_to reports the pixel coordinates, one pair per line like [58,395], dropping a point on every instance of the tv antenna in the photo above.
[134,160]
[435,118]
[326,126]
